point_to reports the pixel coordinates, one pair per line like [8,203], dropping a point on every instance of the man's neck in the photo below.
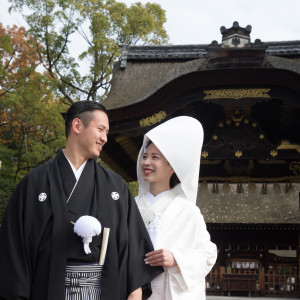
[74,158]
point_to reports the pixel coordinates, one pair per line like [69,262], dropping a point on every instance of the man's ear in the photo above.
[76,125]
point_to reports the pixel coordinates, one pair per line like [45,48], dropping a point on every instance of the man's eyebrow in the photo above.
[103,126]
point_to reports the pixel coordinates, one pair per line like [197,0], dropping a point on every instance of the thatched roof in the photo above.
[143,70]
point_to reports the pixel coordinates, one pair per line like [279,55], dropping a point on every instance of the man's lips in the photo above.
[99,145]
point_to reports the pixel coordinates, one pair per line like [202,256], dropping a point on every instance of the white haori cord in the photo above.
[87,227]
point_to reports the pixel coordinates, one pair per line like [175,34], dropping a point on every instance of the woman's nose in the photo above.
[146,161]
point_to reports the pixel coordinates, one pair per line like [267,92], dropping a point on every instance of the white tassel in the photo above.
[87,227]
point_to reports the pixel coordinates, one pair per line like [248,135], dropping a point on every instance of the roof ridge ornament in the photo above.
[236,36]
[124,50]
[236,49]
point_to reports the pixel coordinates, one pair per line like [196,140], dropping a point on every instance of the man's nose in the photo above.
[104,137]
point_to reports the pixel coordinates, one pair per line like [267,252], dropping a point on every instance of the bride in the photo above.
[168,170]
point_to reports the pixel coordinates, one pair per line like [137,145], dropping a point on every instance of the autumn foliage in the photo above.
[40,77]
[31,126]
[18,58]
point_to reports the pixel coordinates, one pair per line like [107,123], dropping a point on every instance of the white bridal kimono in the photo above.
[173,220]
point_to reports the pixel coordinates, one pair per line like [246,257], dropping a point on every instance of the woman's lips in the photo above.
[148,171]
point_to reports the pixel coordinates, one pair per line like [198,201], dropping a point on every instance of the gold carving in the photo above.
[236,93]
[215,137]
[295,167]
[273,152]
[238,153]
[286,145]
[237,116]
[261,136]
[204,154]
[156,118]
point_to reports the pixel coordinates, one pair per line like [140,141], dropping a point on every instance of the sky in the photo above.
[199,21]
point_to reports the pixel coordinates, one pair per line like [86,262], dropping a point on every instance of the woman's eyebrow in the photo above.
[155,153]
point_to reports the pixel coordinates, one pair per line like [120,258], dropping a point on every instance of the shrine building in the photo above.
[247,97]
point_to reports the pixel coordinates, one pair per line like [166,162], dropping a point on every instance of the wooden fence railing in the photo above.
[281,284]
[269,284]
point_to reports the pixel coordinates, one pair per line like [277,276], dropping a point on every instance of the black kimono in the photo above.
[37,238]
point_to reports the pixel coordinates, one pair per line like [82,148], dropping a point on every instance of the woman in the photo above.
[168,170]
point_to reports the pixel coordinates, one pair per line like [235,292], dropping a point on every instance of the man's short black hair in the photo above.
[81,110]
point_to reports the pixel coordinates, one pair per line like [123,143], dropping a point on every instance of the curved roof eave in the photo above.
[139,81]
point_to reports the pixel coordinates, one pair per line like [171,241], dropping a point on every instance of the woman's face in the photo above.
[155,167]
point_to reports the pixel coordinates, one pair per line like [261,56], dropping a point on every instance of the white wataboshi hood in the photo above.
[180,140]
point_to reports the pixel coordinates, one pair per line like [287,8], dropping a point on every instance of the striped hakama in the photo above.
[83,282]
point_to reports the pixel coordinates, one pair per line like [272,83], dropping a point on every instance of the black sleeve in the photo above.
[139,274]
[15,270]
[21,240]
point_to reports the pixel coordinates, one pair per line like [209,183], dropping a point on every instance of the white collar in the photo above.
[77,172]
[152,199]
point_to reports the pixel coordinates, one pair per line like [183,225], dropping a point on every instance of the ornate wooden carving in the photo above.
[237,93]
[156,118]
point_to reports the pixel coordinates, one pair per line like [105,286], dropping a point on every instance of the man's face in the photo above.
[93,137]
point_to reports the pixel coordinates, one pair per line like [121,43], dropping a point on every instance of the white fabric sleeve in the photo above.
[193,264]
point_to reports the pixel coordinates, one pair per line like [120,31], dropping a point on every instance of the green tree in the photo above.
[30,123]
[31,134]
[7,185]
[31,127]
[133,187]
[28,111]
[102,25]
[34,127]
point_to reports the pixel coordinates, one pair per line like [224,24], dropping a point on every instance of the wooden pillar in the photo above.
[266,269]
[298,264]
[266,257]
[262,281]
[221,254]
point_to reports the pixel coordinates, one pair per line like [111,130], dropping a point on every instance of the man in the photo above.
[40,255]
